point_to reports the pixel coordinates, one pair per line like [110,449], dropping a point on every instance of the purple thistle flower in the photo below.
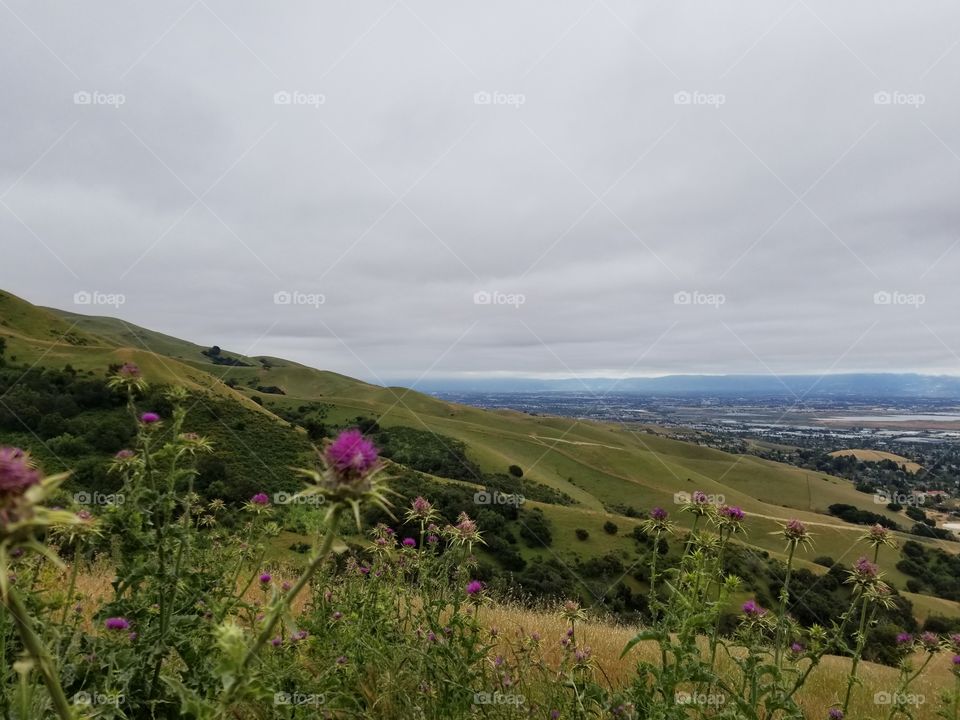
[795,530]
[699,497]
[409,542]
[732,512]
[276,641]
[658,513]
[421,507]
[865,569]
[265,578]
[796,648]
[117,623]
[474,587]
[352,453]
[129,370]
[125,454]
[432,539]
[930,641]
[149,418]
[956,659]
[835,714]
[16,473]
[260,498]
[751,608]
[337,615]
[904,638]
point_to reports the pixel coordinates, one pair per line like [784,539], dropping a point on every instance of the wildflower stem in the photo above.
[784,595]
[38,653]
[861,641]
[284,604]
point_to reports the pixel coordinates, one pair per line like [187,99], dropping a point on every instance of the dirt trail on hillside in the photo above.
[542,440]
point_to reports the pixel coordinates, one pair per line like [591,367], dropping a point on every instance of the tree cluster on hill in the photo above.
[931,570]
[216,356]
[853,514]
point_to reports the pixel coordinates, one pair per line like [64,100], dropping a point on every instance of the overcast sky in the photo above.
[632,188]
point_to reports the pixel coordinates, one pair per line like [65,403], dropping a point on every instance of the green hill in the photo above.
[607,470]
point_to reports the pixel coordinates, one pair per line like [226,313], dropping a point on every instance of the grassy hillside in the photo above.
[609,470]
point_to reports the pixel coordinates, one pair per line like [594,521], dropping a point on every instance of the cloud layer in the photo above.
[392,189]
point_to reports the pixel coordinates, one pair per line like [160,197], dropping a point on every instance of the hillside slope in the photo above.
[605,468]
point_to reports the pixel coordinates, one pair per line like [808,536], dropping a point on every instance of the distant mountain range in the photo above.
[853,385]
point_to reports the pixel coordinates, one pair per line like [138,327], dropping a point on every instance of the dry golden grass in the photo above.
[877,456]
[825,686]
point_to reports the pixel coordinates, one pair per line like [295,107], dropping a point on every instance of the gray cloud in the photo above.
[780,163]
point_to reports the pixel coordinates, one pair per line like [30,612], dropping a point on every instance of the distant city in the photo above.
[874,422]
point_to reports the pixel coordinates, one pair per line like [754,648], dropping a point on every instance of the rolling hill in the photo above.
[608,470]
